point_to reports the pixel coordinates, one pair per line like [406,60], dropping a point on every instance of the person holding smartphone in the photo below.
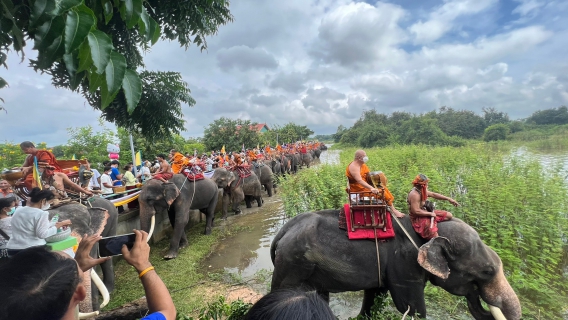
[53,281]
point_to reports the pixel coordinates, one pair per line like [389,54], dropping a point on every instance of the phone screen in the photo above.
[111,246]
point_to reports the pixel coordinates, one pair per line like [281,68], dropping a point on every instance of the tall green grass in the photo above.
[517,206]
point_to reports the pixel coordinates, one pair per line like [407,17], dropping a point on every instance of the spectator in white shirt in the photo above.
[145,173]
[31,225]
[106,181]
[94,183]
[7,208]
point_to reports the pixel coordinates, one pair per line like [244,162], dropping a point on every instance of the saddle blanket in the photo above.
[193,176]
[361,219]
[243,171]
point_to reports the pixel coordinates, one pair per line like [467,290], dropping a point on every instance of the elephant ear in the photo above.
[432,256]
[171,192]
[99,217]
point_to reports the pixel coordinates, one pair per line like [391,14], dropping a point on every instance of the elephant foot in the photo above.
[249,205]
[207,231]
[239,211]
[183,245]
[170,255]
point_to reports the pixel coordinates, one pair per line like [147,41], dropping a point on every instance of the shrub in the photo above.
[496,132]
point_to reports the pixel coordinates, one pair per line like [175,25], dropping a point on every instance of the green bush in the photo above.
[496,132]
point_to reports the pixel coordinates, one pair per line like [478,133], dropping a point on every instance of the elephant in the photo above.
[264,174]
[86,220]
[108,231]
[317,153]
[178,196]
[236,189]
[285,164]
[294,160]
[311,251]
[306,159]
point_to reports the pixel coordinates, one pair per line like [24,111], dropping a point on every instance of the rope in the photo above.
[378,256]
[193,195]
[403,229]
[406,313]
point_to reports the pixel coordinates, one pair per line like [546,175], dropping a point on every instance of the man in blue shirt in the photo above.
[115,175]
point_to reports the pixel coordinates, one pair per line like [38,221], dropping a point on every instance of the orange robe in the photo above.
[279,147]
[178,162]
[354,186]
[252,156]
[267,149]
[46,161]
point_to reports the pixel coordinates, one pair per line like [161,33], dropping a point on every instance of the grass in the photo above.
[190,287]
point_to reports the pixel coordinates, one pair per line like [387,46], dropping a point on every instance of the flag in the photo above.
[37,178]
[243,149]
[138,158]
[73,158]
[223,149]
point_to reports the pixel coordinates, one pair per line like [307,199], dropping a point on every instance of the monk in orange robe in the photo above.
[48,167]
[279,148]
[179,161]
[356,173]
[251,155]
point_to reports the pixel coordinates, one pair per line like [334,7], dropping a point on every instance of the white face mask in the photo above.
[46,206]
[365,159]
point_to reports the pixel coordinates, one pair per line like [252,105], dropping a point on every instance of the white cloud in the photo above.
[441,20]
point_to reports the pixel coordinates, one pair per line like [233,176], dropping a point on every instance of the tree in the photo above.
[492,116]
[550,116]
[462,123]
[339,133]
[292,132]
[419,130]
[95,47]
[84,142]
[59,151]
[496,132]
[230,133]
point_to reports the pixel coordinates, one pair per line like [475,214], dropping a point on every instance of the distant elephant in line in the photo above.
[264,174]
[317,153]
[237,189]
[306,159]
[311,251]
[177,197]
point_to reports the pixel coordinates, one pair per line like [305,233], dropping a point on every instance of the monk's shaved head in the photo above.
[359,154]
[27,144]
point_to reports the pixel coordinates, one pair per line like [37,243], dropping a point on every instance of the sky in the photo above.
[321,63]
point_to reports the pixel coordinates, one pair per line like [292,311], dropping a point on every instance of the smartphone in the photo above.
[111,246]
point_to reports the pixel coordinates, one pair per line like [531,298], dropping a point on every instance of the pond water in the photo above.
[246,255]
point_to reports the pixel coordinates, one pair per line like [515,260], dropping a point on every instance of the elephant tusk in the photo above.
[101,286]
[152,224]
[88,315]
[406,313]
[496,313]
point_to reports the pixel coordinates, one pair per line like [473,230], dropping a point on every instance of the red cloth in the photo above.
[366,233]
[193,176]
[164,175]
[421,224]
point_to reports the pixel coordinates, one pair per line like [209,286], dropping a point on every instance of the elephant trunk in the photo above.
[499,295]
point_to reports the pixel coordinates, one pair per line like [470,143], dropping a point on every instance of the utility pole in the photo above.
[133,156]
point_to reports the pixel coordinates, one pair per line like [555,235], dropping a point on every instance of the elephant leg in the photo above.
[183,242]
[368,301]
[181,219]
[259,200]
[268,187]
[248,201]
[226,201]
[210,217]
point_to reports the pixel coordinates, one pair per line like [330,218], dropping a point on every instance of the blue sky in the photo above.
[320,63]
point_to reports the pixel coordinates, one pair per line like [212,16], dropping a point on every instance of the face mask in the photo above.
[11,212]
[365,159]
[46,206]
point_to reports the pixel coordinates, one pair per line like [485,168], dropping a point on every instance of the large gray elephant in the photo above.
[177,197]
[264,174]
[236,189]
[89,221]
[294,160]
[317,153]
[306,159]
[311,251]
